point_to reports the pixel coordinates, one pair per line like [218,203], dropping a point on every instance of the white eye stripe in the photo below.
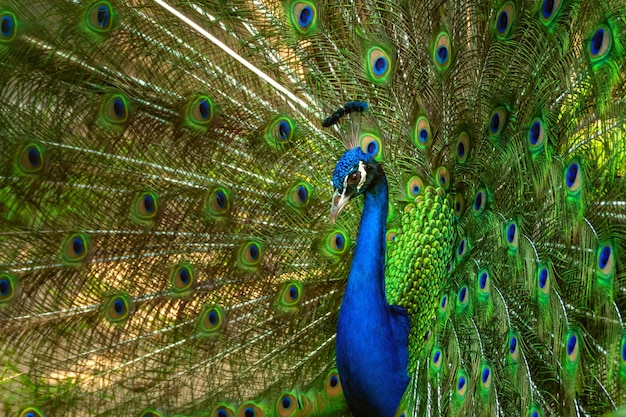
[363,175]
[361,180]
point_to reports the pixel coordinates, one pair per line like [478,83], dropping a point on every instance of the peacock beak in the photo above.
[339,202]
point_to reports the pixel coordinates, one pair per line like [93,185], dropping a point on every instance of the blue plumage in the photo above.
[372,336]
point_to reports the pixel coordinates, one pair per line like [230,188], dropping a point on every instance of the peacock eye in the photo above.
[354,178]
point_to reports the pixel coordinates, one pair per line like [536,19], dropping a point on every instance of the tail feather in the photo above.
[164,193]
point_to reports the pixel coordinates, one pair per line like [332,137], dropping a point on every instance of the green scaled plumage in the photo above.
[423,246]
[165,241]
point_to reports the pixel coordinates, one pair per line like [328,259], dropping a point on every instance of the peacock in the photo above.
[312,208]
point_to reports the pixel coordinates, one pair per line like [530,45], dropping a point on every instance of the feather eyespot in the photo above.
[504,20]
[443,177]
[436,360]
[31,412]
[414,186]
[30,160]
[282,130]
[201,111]
[497,122]
[182,278]
[480,201]
[484,285]
[287,405]
[220,200]
[442,52]
[251,254]
[462,147]
[7,288]
[536,135]
[372,146]
[573,178]
[549,10]
[378,64]
[223,410]
[600,43]
[75,248]
[543,279]
[483,280]
[290,295]
[218,203]
[211,320]
[337,242]
[116,109]
[146,206]
[571,347]
[437,357]
[513,349]
[606,261]
[117,309]
[463,295]
[8,27]
[511,234]
[250,409]
[299,195]
[462,298]
[443,304]
[461,385]
[422,136]
[100,17]
[427,336]
[485,377]
[459,205]
[428,340]
[303,194]
[333,384]
[461,249]
[303,14]
[392,235]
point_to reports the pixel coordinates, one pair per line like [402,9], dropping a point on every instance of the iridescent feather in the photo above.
[166,246]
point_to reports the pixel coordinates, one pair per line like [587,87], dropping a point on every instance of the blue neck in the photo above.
[372,337]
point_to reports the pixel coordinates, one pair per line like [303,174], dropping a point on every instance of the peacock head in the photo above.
[354,173]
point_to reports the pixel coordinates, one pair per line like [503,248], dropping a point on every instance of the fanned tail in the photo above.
[165,240]
[522,121]
[164,208]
